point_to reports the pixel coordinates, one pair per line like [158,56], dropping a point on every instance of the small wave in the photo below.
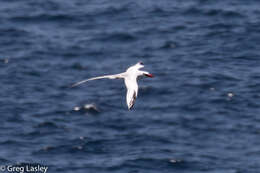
[3,161]
[59,149]
[214,12]
[211,12]
[169,45]
[13,32]
[120,36]
[149,90]
[40,18]
[191,11]
[10,142]
[149,163]
[87,108]
[162,12]
[227,77]
[111,10]
[76,145]
[4,60]
[78,66]
[47,125]
[214,27]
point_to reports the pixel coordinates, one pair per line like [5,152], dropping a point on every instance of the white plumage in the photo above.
[130,78]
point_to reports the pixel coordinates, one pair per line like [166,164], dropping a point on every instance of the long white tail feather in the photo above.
[116,76]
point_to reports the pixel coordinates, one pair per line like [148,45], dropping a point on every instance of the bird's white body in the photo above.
[130,78]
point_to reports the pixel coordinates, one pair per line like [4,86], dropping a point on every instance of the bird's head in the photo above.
[135,69]
[143,73]
[139,65]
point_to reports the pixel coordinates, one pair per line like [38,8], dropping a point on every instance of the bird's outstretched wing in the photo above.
[130,98]
[115,76]
[131,95]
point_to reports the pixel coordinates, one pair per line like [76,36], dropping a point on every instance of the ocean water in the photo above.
[200,114]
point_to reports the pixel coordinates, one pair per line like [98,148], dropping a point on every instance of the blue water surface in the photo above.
[200,114]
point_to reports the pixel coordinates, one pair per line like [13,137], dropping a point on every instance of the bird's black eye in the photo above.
[141,63]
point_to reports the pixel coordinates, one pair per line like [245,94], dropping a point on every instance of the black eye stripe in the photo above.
[141,63]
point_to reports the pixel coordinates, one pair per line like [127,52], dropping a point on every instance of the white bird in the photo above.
[130,77]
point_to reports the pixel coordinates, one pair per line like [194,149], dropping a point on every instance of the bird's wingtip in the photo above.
[72,86]
[130,107]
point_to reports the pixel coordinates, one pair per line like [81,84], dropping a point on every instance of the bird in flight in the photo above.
[130,77]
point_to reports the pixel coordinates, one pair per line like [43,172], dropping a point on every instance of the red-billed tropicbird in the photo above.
[130,77]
